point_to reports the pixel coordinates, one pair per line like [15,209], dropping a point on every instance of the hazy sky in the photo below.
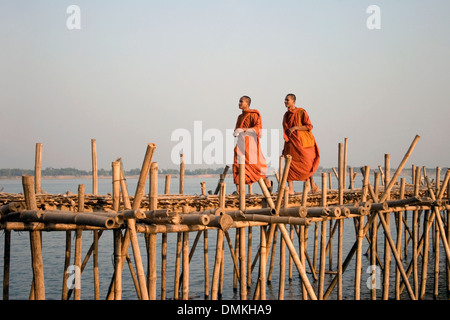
[137,71]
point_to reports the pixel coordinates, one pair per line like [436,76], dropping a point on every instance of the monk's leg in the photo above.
[314,186]
[291,187]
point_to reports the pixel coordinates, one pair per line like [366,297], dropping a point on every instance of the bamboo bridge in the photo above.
[391,215]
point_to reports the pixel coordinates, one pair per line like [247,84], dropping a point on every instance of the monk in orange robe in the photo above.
[248,130]
[300,144]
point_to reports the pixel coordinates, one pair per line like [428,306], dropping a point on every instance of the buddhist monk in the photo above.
[300,144]
[248,130]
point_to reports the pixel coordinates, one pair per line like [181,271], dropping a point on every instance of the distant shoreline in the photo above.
[62,177]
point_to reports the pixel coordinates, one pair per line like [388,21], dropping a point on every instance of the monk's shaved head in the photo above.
[247,98]
[292,96]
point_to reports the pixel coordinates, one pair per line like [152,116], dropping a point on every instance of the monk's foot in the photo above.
[315,189]
[269,184]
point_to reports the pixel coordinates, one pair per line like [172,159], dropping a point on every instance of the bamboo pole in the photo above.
[64,295]
[344,167]
[323,240]
[38,168]
[117,235]
[262,264]
[415,236]
[181,187]
[130,234]
[6,264]
[152,277]
[78,245]
[177,267]
[341,168]
[163,266]
[399,239]
[297,261]
[399,169]
[167,184]
[360,237]
[95,267]
[38,291]
[397,257]
[206,262]
[94,166]
[283,253]
[387,253]
[242,249]
[185,266]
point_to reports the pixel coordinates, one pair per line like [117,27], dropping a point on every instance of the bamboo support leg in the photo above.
[95,267]
[323,241]
[397,257]
[262,265]
[358,267]
[35,242]
[436,262]
[6,264]
[177,267]
[152,266]
[64,295]
[426,249]
[117,258]
[163,266]
[297,261]
[218,262]
[185,264]
[205,262]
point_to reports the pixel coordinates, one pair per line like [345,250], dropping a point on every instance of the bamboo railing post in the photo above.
[167,184]
[153,193]
[181,187]
[203,188]
[344,166]
[38,168]
[94,166]
[35,242]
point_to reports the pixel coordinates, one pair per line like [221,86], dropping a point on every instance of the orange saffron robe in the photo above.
[255,162]
[305,161]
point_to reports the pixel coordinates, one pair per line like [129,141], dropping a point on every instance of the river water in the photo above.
[53,248]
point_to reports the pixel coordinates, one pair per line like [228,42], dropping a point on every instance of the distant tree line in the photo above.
[53,172]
